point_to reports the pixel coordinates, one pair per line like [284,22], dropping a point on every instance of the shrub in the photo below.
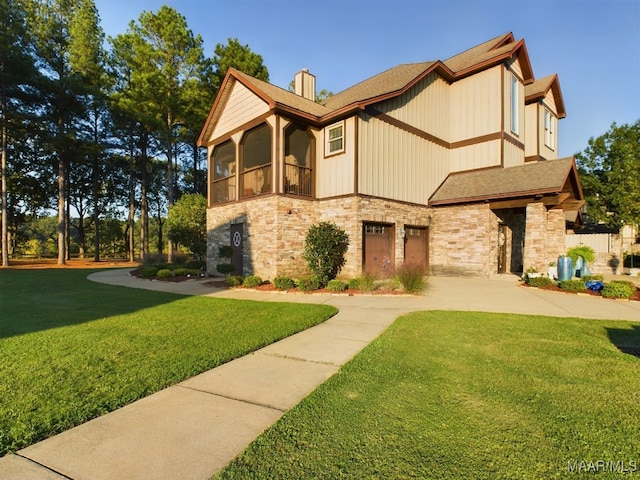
[183,272]
[337,285]
[284,283]
[618,290]
[225,251]
[324,248]
[252,281]
[590,278]
[154,259]
[148,272]
[234,280]
[308,284]
[583,251]
[225,268]
[196,264]
[164,273]
[179,259]
[540,282]
[572,285]
[354,284]
[412,277]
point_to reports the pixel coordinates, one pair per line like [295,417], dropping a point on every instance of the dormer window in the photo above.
[515,105]
[549,129]
[334,139]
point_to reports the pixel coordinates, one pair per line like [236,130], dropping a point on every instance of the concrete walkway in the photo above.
[193,429]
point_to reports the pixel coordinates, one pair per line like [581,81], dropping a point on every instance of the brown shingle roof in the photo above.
[498,183]
[469,57]
[539,89]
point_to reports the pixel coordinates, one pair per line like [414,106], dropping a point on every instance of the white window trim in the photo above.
[549,129]
[327,141]
[515,105]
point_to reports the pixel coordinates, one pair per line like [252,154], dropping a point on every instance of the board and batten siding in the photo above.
[335,174]
[396,164]
[531,129]
[475,105]
[242,106]
[425,106]
[512,155]
[479,155]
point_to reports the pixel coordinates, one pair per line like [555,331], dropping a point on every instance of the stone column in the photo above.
[534,254]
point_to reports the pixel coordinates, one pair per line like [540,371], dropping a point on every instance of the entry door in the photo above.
[236,244]
[377,247]
[416,246]
[502,248]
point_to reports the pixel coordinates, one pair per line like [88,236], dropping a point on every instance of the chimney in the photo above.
[305,84]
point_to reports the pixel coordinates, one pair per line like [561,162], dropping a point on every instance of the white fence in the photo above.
[600,242]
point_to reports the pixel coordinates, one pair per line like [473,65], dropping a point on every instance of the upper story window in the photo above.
[515,105]
[334,139]
[223,177]
[255,151]
[549,129]
[298,169]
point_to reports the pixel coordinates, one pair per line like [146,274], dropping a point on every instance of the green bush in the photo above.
[234,280]
[354,284]
[572,285]
[148,272]
[589,278]
[252,281]
[225,251]
[617,290]
[337,285]
[308,284]
[196,264]
[284,283]
[412,277]
[164,273]
[367,282]
[183,272]
[324,248]
[540,282]
[225,268]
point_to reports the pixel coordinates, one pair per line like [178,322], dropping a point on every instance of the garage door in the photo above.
[377,248]
[416,246]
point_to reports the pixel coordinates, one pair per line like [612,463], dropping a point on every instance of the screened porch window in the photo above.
[256,162]
[298,170]
[223,179]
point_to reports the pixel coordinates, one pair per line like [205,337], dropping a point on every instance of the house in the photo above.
[451,164]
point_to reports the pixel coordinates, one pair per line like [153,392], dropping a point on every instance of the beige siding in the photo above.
[480,155]
[335,174]
[513,156]
[243,106]
[396,164]
[475,105]
[550,102]
[531,140]
[425,106]
[514,66]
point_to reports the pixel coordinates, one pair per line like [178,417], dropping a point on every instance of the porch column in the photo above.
[556,231]
[534,254]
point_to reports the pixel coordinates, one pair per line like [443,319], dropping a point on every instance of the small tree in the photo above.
[187,223]
[324,248]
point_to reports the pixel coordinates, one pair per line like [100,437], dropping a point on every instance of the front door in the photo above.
[416,246]
[236,245]
[378,258]
[502,248]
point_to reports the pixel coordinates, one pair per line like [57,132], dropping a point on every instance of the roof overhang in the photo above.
[553,85]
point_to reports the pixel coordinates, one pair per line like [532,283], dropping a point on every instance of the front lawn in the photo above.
[71,349]
[451,395]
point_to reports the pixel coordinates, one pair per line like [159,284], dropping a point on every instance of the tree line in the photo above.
[98,129]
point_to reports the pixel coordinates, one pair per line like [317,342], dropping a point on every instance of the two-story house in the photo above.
[452,164]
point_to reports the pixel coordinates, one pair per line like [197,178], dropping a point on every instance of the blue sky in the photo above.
[593,46]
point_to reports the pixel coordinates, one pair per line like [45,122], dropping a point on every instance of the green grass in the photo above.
[451,395]
[72,349]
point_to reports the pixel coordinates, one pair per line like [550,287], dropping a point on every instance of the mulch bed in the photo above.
[270,287]
[555,288]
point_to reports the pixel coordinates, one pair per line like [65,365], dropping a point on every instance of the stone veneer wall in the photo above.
[554,240]
[544,240]
[464,241]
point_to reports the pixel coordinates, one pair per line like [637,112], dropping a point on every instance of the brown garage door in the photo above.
[416,246]
[377,248]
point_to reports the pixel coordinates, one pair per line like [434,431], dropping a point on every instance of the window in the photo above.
[223,184]
[515,104]
[256,162]
[549,129]
[334,139]
[298,173]
[374,229]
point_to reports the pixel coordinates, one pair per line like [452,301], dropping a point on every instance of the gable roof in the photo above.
[525,182]
[388,84]
[539,89]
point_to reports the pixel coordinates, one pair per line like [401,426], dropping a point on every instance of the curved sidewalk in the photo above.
[193,429]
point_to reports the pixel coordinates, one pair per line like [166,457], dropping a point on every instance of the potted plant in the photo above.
[552,271]
[532,272]
[581,256]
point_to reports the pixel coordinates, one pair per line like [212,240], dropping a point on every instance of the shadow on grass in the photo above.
[34,300]
[627,340]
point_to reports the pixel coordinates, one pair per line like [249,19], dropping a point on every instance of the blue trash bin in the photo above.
[565,268]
